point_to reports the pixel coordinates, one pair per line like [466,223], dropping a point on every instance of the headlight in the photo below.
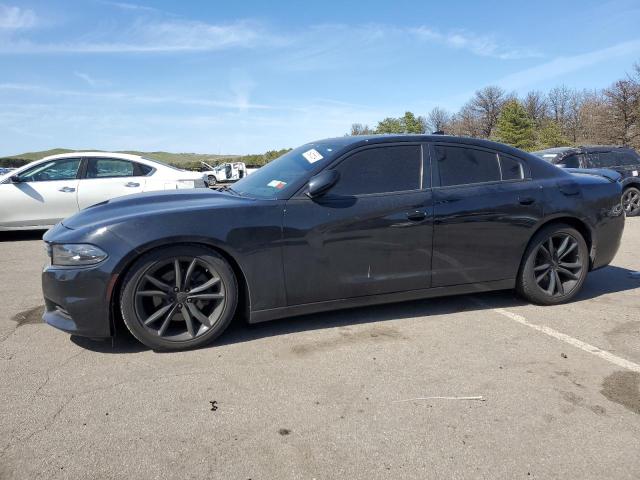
[77,254]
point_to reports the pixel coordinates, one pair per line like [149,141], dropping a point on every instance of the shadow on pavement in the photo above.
[124,342]
[607,280]
[21,235]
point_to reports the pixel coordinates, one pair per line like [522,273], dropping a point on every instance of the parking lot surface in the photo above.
[336,395]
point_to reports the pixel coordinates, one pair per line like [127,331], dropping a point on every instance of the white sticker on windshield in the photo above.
[634,173]
[277,184]
[312,155]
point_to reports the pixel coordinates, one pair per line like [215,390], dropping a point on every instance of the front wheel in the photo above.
[631,201]
[179,297]
[554,267]
[211,180]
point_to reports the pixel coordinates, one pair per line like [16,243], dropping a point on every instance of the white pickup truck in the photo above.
[225,172]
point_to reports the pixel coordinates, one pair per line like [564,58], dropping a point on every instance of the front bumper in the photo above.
[77,300]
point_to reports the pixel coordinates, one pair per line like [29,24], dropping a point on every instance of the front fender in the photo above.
[250,235]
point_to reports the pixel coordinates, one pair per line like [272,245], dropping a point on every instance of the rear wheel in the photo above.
[179,297]
[555,266]
[631,201]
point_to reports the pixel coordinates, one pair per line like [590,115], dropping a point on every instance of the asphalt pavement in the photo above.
[350,394]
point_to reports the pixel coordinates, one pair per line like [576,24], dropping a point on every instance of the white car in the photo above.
[44,192]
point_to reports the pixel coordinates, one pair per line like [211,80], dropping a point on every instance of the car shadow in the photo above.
[21,235]
[607,280]
[601,282]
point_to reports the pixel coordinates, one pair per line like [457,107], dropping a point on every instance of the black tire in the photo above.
[631,201]
[540,288]
[211,180]
[190,316]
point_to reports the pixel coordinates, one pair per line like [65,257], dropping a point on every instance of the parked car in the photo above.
[337,223]
[44,192]
[623,160]
[225,172]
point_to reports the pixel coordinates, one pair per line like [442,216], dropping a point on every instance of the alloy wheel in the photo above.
[558,266]
[180,299]
[631,202]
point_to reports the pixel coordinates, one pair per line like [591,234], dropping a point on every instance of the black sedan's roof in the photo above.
[359,140]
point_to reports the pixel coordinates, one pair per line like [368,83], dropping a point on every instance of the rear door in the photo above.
[107,178]
[628,164]
[370,234]
[46,194]
[485,207]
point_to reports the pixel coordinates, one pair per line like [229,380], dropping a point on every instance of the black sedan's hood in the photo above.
[123,208]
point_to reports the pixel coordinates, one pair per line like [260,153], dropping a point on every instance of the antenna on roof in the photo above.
[438,132]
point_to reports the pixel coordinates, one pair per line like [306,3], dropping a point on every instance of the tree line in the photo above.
[251,160]
[560,117]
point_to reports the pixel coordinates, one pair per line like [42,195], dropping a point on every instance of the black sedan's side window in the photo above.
[463,166]
[510,168]
[380,170]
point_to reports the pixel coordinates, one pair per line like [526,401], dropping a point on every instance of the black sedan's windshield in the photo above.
[283,173]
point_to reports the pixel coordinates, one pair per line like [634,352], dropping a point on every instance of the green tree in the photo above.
[550,135]
[408,123]
[413,124]
[390,125]
[515,127]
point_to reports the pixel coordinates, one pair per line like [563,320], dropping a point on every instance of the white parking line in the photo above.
[574,342]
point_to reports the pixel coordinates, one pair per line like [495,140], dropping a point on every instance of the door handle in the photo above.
[416,216]
[67,189]
[132,184]
[526,200]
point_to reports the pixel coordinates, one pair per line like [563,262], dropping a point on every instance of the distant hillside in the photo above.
[189,161]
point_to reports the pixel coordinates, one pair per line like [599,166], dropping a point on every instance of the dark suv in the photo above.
[623,160]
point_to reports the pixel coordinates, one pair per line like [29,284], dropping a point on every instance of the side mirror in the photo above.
[15,179]
[322,182]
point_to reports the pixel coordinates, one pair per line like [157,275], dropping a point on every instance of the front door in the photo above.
[370,234]
[45,194]
[486,207]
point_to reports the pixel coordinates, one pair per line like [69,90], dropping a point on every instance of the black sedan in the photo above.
[336,223]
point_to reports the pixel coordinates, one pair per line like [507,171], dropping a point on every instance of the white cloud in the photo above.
[91,81]
[129,6]
[563,65]
[16,18]
[482,45]
[237,101]
[153,31]
[156,37]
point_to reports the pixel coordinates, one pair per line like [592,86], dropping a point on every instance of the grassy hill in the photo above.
[189,161]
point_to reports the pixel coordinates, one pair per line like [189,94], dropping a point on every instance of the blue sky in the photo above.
[247,76]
